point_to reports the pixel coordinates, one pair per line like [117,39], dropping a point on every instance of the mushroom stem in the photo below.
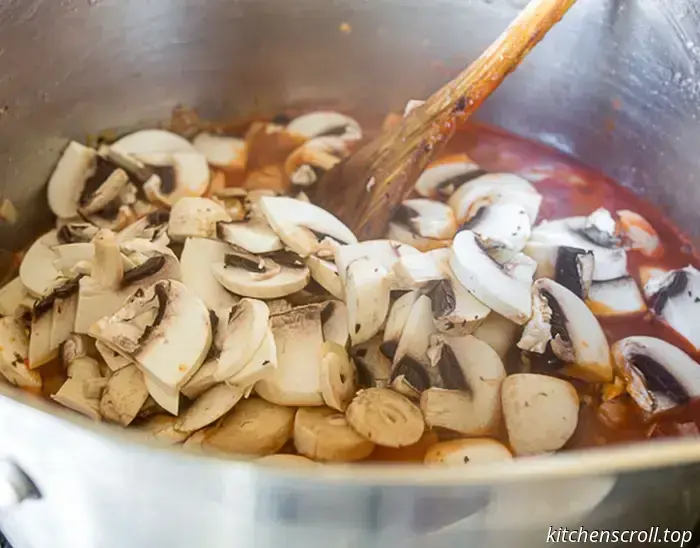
[107,269]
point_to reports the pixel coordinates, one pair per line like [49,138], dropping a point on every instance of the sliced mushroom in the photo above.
[14,352]
[108,269]
[74,259]
[616,298]
[83,368]
[126,392]
[197,255]
[504,288]
[505,226]
[540,412]
[337,376]
[658,375]
[240,333]
[427,218]
[12,295]
[440,180]
[107,195]
[254,236]
[302,225]
[165,328]
[494,188]
[323,434]
[68,179]
[367,296]
[401,233]
[37,271]
[675,298]
[209,407]
[149,141]
[416,271]
[410,377]
[261,366]
[574,270]
[221,151]
[638,234]
[469,451]
[259,278]
[373,367]
[385,418]
[563,321]
[201,381]
[254,427]
[161,428]
[325,273]
[195,218]
[285,460]
[472,374]
[396,321]
[335,323]
[166,397]
[72,396]
[298,337]
[152,226]
[610,261]
[385,252]
[324,124]
[416,332]
[313,159]
[499,333]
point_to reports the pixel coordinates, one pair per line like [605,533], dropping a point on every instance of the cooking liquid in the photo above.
[568,189]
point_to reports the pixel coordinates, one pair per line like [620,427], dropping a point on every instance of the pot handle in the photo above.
[15,485]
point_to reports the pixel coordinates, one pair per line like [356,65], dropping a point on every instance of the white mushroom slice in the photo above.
[337,376]
[160,428]
[335,323]
[546,239]
[83,368]
[401,233]
[416,271]
[201,381]
[221,151]
[469,451]
[298,337]
[92,203]
[165,328]
[563,321]
[180,175]
[427,218]
[94,387]
[71,395]
[108,269]
[324,435]
[325,273]
[255,427]
[373,367]
[367,296]
[651,278]
[166,397]
[239,335]
[124,396]
[302,225]
[37,271]
[12,295]
[313,159]
[261,366]
[197,255]
[326,123]
[504,288]
[385,418]
[574,270]
[279,306]
[616,298]
[442,179]
[259,278]
[505,226]
[396,321]
[75,232]
[14,351]
[68,256]
[195,218]
[540,412]
[209,407]
[149,141]
[415,336]
[658,375]
[499,333]
[638,234]
[472,374]
[285,460]
[385,252]
[253,236]
[675,298]
[494,188]
[68,179]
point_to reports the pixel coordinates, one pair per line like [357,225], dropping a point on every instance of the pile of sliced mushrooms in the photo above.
[242,319]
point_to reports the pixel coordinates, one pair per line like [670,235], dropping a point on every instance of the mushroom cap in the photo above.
[240,333]
[503,288]
[658,375]
[367,297]
[298,336]
[540,412]
[124,396]
[338,377]
[298,223]
[385,417]
[68,179]
[196,254]
[193,217]
[150,141]
[325,123]
[440,180]
[323,434]
[254,427]
[467,451]
[427,218]
[14,350]
[248,284]
[616,298]
[325,273]
[221,151]
[254,236]
[505,226]
[209,407]
[36,270]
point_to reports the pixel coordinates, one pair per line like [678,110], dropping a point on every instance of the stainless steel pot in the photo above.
[614,84]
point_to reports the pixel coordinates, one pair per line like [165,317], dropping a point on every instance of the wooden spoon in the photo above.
[365,189]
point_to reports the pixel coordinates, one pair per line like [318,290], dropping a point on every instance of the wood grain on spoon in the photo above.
[365,189]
